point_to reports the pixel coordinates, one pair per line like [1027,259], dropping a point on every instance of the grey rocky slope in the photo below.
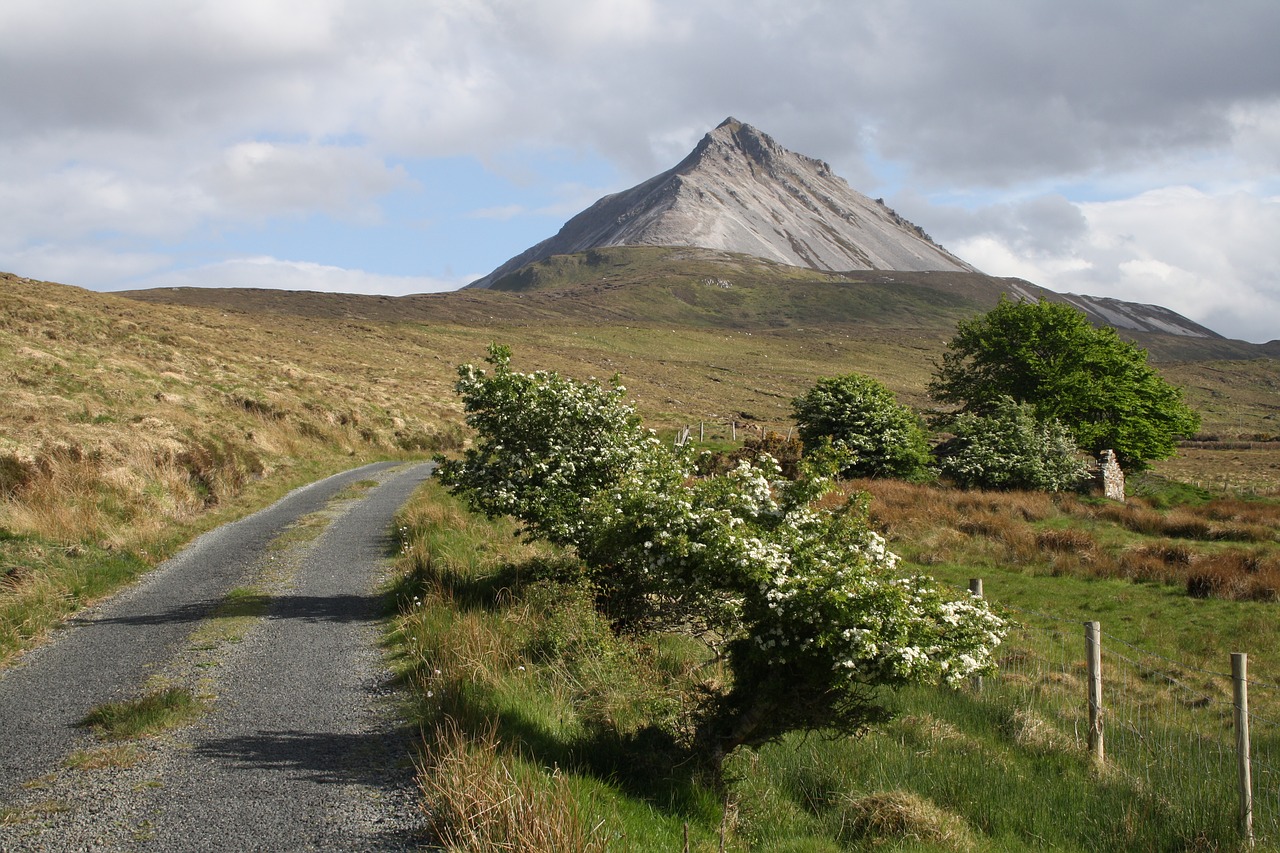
[740,191]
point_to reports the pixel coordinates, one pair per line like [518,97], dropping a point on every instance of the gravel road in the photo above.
[300,748]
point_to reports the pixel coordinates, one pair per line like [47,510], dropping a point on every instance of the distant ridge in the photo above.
[740,191]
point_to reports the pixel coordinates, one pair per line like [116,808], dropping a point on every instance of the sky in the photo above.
[1124,148]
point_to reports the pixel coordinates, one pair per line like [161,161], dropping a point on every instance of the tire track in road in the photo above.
[300,750]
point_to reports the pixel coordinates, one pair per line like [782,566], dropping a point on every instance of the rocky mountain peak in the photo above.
[740,191]
[732,138]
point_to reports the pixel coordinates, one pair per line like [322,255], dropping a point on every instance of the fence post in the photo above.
[1240,680]
[1093,653]
[975,589]
[702,432]
[733,430]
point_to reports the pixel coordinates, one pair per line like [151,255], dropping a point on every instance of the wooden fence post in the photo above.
[975,589]
[702,432]
[733,430]
[1240,680]
[1093,653]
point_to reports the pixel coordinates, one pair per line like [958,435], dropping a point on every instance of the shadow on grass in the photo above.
[649,764]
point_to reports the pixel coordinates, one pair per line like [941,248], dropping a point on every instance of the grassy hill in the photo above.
[127,428]
[133,422]
[707,336]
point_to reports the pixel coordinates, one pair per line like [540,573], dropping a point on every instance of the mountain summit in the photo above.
[739,191]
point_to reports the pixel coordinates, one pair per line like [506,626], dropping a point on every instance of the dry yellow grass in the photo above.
[123,417]
[478,799]
[905,816]
[125,424]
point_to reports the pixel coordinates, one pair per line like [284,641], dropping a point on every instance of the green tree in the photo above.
[1050,357]
[863,417]
[1011,449]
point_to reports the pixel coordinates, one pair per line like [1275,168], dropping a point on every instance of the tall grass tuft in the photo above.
[903,816]
[149,714]
[478,799]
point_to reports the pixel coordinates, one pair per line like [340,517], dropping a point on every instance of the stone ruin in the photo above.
[1110,476]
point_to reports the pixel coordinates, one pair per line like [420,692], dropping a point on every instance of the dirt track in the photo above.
[300,748]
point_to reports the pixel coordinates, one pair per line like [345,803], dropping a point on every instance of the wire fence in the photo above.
[1168,727]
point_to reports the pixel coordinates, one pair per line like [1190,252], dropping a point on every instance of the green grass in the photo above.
[495,641]
[132,427]
[145,716]
[239,610]
[305,529]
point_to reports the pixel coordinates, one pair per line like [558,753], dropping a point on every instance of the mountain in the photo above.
[686,288]
[740,191]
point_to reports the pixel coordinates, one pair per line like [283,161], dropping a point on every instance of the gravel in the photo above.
[302,748]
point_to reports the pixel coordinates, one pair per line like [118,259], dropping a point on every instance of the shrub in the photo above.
[858,414]
[802,598]
[1011,449]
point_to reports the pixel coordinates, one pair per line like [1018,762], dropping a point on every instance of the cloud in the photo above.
[569,200]
[152,128]
[265,178]
[90,266]
[268,272]
[981,92]
[1207,256]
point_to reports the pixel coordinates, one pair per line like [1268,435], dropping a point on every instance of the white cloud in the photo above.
[76,200]
[1209,257]
[161,123]
[84,266]
[268,272]
[264,178]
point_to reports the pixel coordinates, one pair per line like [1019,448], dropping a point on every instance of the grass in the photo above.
[148,715]
[548,724]
[130,427]
[239,610]
[305,529]
[114,756]
[14,815]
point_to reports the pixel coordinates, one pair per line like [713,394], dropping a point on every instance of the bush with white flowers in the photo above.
[1011,448]
[802,598]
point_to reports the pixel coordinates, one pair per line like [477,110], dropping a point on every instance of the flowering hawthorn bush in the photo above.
[1011,448]
[806,603]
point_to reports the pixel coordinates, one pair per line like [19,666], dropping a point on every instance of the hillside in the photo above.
[706,289]
[707,336]
[157,408]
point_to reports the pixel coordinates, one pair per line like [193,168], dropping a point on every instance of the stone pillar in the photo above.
[1112,476]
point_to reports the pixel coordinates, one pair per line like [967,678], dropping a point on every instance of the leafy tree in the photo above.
[1011,449]
[1050,357]
[801,597]
[862,416]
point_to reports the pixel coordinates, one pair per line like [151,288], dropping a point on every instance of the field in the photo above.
[129,426]
[546,732]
